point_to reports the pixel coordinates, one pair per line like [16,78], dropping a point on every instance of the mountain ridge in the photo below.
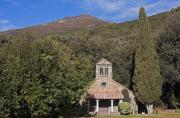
[62,25]
[84,21]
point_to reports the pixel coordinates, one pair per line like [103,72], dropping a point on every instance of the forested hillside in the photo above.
[114,41]
[97,39]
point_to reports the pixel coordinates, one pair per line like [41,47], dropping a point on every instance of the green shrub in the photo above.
[124,108]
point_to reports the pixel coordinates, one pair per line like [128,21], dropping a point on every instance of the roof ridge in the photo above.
[103,61]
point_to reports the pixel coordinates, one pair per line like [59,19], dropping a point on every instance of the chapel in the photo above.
[104,94]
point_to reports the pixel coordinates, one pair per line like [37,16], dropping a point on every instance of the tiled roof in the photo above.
[103,61]
[113,90]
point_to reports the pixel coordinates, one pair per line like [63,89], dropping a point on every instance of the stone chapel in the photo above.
[104,94]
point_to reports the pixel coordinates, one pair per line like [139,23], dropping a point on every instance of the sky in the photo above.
[23,13]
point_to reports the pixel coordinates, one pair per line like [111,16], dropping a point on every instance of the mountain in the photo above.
[87,23]
[62,25]
[84,22]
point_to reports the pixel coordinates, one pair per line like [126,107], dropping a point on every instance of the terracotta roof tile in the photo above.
[113,90]
[103,61]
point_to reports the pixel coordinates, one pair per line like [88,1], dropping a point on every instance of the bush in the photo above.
[125,108]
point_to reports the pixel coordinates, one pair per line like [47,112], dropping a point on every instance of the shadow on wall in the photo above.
[125,93]
[141,107]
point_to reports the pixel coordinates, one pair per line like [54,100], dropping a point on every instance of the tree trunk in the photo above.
[149,108]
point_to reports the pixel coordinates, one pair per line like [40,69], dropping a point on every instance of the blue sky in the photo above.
[23,13]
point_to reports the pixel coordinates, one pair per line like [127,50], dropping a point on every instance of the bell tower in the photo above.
[103,69]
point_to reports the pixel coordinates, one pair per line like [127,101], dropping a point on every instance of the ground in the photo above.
[145,116]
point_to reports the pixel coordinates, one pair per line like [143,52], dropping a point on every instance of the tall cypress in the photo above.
[147,77]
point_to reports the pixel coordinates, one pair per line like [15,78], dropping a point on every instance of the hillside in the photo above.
[62,25]
[83,22]
[92,37]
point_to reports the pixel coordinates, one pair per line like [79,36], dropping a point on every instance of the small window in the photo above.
[104,84]
[101,71]
[106,71]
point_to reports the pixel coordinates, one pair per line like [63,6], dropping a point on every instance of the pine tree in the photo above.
[147,78]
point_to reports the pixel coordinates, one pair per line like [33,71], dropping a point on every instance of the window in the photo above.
[106,71]
[104,84]
[101,71]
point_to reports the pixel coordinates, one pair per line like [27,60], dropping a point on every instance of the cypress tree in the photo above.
[147,77]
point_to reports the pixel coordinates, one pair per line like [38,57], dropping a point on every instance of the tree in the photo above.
[40,79]
[147,77]
[169,51]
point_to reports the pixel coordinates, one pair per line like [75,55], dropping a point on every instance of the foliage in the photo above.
[103,45]
[147,78]
[169,51]
[125,108]
[40,79]
[169,46]
[174,102]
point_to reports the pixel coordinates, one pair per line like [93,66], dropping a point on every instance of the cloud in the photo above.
[7,27]
[107,5]
[6,24]
[161,6]
[4,21]
[121,10]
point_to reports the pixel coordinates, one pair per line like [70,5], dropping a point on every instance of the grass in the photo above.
[144,116]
